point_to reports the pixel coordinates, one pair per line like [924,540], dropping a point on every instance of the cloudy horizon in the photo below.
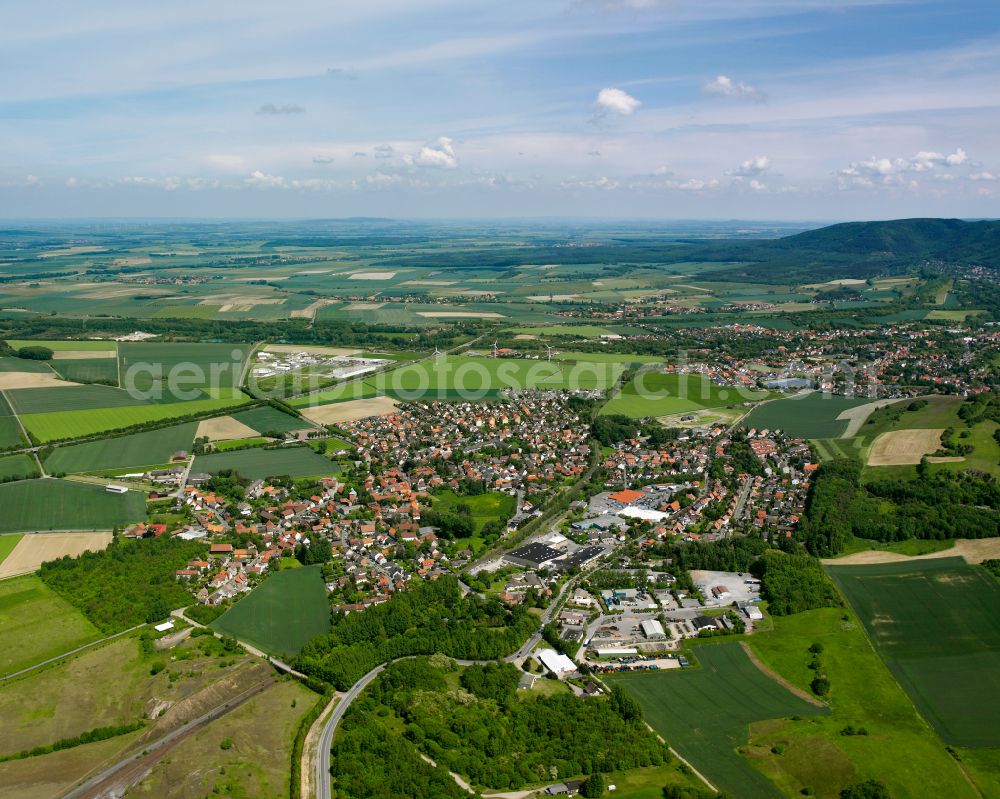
[741,109]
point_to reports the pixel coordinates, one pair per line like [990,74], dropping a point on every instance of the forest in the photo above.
[433,617]
[793,583]
[129,583]
[939,506]
[492,735]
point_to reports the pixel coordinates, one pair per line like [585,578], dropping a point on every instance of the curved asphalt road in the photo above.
[321,771]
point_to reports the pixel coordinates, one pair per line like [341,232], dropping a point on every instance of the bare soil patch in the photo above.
[904,447]
[224,428]
[9,380]
[82,355]
[972,550]
[350,411]
[372,275]
[34,550]
[460,314]
[363,306]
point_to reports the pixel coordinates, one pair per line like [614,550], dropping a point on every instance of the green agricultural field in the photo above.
[17,467]
[153,366]
[606,357]
[812,415]
[24,365]
[7,544]
[238,443]
[936,625]
[70,398]
[25,603]
[87,370]
[282,614]
[342,392]
[900,748]
[10,430]
[79,424]
[270,420]
[658,394]
[140,449]
[256,464]
[69,345]
[31,505]
[704,713]
[481,374]
[580,331]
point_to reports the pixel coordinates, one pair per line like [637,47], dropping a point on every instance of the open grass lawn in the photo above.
[936,625]
[704,713]
[140,449]
[485,507]
[77,424]
[256,464]
[910,546]
[7,544]
[270,420]
[17,467]
[262,733]
[647,783]
[839,448]
[36,624]
[31,505]
[901,749]
[281,614]
[87,370]
[812,415]
[659,394]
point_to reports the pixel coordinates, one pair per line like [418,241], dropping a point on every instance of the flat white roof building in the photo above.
[556,663]
[646,514]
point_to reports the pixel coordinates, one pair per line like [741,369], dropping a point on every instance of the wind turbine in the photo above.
[437,353]
[495,355]
[548,351]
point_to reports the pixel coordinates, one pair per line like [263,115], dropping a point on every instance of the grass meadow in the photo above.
[25,602]
[282,614]
[658,394]
[47,504]
[900,749]
[7,544]
[935,623]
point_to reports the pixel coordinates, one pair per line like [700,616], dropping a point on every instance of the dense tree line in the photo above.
[939,506]
[88,737]
[793,583]
[433,617]
[129,583]
[499,739]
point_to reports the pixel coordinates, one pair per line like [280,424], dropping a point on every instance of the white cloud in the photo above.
[262,180]
[725,86]
[383,151]
[383,180]
[323,159]
[753,166]
[439,156]
[889,171]
[270,109]
[987,176]
[756,185]
[616,101]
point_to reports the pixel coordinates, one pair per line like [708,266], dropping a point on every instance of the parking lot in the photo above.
[738,590]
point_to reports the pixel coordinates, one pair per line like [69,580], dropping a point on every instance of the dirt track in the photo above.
[973,550]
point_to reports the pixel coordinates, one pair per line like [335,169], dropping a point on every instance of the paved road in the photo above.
[71,652]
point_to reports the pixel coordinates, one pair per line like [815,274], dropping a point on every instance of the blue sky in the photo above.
[752,109]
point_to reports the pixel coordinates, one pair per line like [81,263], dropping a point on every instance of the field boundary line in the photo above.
[70,653]
[773,675]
